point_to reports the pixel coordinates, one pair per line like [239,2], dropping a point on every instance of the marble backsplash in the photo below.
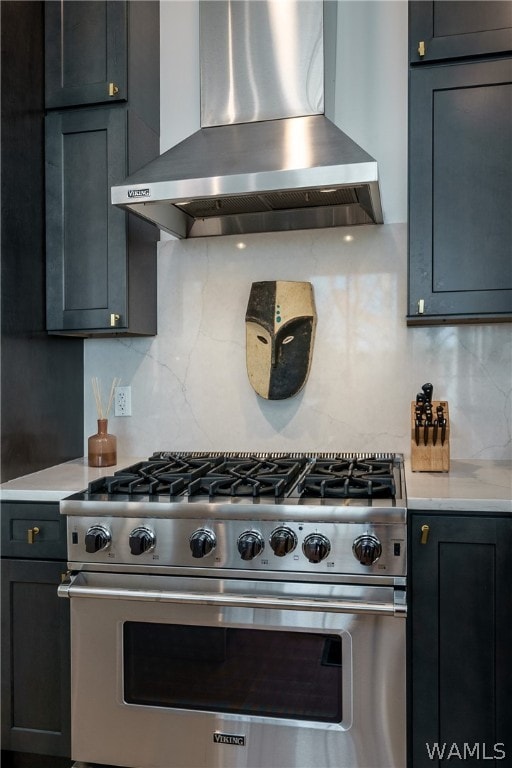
[190,389]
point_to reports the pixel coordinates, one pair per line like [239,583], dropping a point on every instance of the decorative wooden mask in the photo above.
[280,326]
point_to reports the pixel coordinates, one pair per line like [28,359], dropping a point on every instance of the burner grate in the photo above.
[255,475]
[369,477]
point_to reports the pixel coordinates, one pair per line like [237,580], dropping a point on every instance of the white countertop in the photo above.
[59,481]
[470,485]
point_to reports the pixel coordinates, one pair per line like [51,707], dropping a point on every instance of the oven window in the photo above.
[245,671]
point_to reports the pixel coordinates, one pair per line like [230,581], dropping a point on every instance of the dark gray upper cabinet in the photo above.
[460,162]
[101,266]
[446,29]
[86,52]
[101,261]
[460,191]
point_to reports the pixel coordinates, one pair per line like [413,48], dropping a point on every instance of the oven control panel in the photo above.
[345,548]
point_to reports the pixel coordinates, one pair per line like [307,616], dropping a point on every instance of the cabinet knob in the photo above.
[114,319]
[421,49]
[425,530]
[421,307]
[31,534]
[112,89]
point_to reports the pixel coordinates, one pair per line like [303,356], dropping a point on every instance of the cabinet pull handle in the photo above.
[32,533]
[114,319]
[421,48]
[425,530]
[421,306]
[112,89]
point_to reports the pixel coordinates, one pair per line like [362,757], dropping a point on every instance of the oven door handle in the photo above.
[331,605]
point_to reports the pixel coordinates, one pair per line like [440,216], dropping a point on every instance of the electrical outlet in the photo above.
[122,401]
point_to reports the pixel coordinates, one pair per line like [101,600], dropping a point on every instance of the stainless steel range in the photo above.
[247,610]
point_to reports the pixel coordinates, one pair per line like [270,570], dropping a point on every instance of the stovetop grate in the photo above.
[218,476]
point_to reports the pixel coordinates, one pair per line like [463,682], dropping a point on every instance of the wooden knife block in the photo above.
[430,457]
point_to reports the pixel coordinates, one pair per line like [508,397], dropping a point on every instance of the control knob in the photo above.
[202,542]
[367,549]
[97,538]
[250,544]
[141,540]
[316,547]
[282,540]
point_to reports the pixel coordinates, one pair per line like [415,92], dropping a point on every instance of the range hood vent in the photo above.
[266,158]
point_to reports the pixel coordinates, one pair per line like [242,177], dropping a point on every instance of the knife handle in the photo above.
[428,389]
[434,432]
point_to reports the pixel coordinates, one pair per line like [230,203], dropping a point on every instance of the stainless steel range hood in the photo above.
[267,157]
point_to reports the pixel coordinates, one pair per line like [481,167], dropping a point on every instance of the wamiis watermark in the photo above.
[465,751]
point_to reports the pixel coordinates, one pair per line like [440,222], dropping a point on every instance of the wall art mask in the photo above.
[280,326]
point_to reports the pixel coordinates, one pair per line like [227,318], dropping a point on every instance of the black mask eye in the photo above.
[262,339]
[288,339]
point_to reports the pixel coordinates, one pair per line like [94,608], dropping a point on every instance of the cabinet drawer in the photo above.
[33,530]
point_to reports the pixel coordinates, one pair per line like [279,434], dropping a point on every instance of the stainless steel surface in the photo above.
[334,598]
[275,73]
[172,550]
[261,574]
[106,729]
[267,158]
[101,525]
[344,511]
[94,765]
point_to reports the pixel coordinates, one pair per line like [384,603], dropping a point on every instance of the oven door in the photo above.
[172,672]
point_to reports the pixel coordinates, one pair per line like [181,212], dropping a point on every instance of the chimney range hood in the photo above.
[266,158]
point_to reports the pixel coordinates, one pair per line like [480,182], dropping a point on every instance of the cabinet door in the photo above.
[460,637]
[86,243]
[460,191]
[35,658]
[85,52]
[451,29]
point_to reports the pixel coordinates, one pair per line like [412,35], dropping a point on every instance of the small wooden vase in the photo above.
[102,447]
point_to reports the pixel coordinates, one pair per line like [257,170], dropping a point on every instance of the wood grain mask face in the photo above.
[280,326]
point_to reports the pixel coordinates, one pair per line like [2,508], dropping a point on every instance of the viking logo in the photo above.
[229,738]
[139,192]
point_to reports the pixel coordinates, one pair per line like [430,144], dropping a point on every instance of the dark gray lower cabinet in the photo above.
[460,192]
[35,636]
[460,640]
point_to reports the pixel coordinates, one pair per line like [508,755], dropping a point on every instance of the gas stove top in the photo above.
[252,478]
[279,513]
